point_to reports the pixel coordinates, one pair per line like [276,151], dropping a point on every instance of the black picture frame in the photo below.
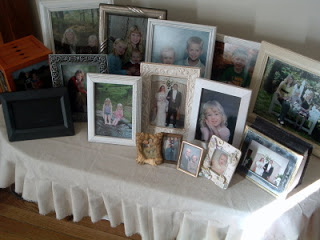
[36,114]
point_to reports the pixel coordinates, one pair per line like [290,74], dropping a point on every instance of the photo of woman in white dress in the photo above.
[259,167]
[160,108]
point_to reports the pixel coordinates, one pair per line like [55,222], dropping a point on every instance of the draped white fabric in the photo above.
[72,176]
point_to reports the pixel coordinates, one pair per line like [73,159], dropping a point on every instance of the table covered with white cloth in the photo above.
[72,176]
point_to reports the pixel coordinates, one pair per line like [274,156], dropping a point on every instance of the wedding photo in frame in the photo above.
[220,162]
[171,144]
[113,108]
[234,60]
[190,158]
[149,148]
[218,109]
[128,23]
[267,163]
[70,70]
[180,43]
[286,88]
[167,97]
[70,27]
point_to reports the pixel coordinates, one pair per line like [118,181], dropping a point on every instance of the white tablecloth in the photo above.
[70,175]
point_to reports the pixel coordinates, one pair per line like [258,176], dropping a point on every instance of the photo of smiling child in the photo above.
[194,50]
[213,121]
[219,165]
[236,74]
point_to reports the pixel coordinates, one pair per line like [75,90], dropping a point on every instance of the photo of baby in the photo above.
[219,162]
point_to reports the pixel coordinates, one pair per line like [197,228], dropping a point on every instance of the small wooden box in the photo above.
[19,54]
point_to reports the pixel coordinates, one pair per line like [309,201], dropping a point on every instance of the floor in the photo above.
[20,220]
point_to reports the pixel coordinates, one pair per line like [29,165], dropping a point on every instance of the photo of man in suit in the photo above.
[185,158]
[174,98]
[267,170]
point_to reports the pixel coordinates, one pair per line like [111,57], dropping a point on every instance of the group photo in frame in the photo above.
[171,144]
[267,163]
[167,97]
[70,70]
[286,92]
[220,162]
[113,108]
[218,109]
[179,43]
[122,35]
[70,27]
[190,158]
[234,60]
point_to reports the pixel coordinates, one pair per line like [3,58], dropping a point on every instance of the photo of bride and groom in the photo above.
[167,102]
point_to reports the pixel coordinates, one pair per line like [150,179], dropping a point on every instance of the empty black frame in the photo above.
[37,114]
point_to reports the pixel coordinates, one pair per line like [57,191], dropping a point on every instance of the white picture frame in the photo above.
[155,75]
[46,7]
[274,66]
[220,162]
[177,36]
[234,102]
[104,132]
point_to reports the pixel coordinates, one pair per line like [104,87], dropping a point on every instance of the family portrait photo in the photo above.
[113,110]
[171,147]
[35,76]
[234,60]
[181,44]
[126,43]
[76,31]
[289,97]
[190,158]
[168,102]
[217,116]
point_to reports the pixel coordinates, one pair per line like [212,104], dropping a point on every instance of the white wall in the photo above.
[293,24]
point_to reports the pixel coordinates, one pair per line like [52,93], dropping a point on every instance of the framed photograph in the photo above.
[35,76]
[267,163]
[122,34]
[70,27]
[181,43]
[149,148]
[113,108]
[36,114]
[234,60]
[70,70]
[190,159]
[220,162]
[218,109]
[171,144]
[167,97]
[286,92]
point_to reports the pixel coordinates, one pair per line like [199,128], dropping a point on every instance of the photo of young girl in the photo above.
[107,111]
[113,110]
[118,114]
[217,116]
[135,41]
[213,121]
